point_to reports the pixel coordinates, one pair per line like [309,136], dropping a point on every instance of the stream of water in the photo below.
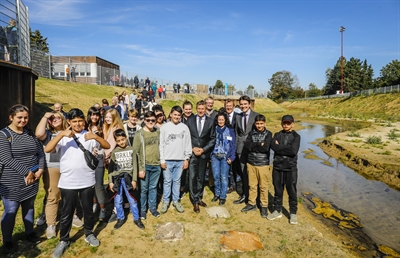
[377,205]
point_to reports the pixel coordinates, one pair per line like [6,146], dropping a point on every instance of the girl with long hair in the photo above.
[49,126]
[23,163]
[94,125]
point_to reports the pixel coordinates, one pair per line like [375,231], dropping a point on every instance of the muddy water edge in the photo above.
[367,212]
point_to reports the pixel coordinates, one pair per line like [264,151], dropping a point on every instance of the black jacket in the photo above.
[258,155]
[285,146]
[206,140]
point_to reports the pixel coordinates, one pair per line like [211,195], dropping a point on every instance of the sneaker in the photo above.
[60,249]
[113,217]
[51,232]
[293,219]
[102,214]
[9,248]
[77,222]
[92,240]
[119,223]
[95,206]
[264,212]
[142,215]
[164,207]
[33,238]
[139,223]
[274,215]
[155,213]
[178,206]
[41,220]
[249,207]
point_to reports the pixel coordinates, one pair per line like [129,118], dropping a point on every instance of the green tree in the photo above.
[282,85]
[250,87]
[38,42]
[313,91]
[389,74]
[333,79]
[218,85]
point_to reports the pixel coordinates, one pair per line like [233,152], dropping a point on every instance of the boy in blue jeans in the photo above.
[123,178]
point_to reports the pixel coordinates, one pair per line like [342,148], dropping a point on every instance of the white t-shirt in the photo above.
[75,174]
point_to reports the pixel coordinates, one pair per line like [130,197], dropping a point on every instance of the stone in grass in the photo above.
[170,231]
[240,241]
[218,212]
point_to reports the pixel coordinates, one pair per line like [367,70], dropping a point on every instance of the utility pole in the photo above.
[342,29]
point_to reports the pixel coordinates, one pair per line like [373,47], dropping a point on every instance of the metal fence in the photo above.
[14,32]
[381,90]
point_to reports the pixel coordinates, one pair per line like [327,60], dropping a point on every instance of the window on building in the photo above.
[82,74]
[88,74]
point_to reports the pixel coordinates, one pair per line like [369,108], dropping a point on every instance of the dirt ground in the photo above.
[309,238]
[374,161]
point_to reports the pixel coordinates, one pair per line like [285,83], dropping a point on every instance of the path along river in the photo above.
[377,205]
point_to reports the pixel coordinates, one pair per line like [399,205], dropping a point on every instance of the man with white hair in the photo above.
[58,107]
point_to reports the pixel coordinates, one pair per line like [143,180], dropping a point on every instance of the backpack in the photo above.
[9,138]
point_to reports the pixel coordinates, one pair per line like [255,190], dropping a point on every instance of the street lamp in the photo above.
[342,29]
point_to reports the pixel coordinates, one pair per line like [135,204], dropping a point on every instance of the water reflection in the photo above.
[374,202]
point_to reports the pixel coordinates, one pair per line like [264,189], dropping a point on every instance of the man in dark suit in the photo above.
[202,131]
[244,124]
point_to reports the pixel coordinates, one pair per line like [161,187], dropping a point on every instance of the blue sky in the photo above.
[239,42]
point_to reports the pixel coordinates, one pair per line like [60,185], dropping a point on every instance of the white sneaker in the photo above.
[51,232]
[293,219]
[92,240]
[76,222]
[274,215]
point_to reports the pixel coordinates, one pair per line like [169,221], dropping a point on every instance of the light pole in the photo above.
[342,29]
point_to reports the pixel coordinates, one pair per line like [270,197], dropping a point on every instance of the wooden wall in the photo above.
[17,86]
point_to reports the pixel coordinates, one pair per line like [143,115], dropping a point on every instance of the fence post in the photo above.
[49,66]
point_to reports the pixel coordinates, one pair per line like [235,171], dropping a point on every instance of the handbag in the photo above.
[91,160]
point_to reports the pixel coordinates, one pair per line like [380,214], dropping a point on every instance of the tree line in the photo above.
[358,75]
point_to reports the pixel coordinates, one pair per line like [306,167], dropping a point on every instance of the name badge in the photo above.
[229,138]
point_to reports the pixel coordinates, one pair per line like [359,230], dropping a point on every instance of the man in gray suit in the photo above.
[244,124]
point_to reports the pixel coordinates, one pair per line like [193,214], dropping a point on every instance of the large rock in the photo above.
[170,231]
[240,241]
[218,212]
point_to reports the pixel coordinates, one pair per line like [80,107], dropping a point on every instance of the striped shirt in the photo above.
[16,160]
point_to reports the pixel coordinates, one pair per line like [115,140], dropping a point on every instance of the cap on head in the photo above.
[288,118]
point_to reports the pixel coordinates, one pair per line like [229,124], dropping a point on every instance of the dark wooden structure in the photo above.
[17,85]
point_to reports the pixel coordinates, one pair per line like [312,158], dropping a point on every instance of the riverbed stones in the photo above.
[240,241]
[170,231]
[218,212]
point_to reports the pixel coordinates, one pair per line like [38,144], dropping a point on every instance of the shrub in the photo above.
[392,135]
[353,134]
[374,140]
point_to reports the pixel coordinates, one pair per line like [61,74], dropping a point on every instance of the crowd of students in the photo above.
[146,158]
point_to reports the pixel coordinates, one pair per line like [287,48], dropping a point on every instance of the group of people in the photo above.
[9,42]
[146,159]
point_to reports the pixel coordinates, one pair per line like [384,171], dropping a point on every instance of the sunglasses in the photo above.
[55,118]
[150,120]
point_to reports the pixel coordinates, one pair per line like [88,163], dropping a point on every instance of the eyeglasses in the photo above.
[150,120]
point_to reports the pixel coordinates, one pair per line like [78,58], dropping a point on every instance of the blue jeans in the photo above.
[220,170]
[118,202]
[148,188]
[10,212]
[172,175]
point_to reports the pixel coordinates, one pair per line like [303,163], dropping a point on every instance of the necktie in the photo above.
[199,126]
[245,122]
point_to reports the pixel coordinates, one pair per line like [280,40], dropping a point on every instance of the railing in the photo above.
[381,90]
[14,32]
